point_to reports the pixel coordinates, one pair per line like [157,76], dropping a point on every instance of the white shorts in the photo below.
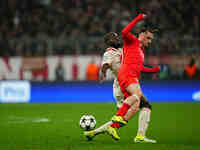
[117,93]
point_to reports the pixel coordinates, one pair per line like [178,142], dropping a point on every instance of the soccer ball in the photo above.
[87,122]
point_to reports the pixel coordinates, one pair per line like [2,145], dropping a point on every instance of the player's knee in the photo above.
[140,94]
[136,97]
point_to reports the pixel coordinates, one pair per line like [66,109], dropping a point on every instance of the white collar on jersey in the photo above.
[111,49]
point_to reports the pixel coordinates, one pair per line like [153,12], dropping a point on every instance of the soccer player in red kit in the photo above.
[112,61]
[129,72]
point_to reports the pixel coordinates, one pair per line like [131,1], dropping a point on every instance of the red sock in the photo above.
[115,125]
[123,109]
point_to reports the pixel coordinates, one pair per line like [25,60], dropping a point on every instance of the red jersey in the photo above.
[133,53]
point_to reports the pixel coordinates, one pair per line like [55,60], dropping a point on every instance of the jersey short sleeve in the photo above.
[108,58]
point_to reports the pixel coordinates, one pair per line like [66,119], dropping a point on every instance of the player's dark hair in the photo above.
[149,29]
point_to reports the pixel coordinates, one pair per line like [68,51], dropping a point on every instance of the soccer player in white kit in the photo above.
[112,61]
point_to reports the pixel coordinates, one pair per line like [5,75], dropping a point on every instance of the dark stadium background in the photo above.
[40,106]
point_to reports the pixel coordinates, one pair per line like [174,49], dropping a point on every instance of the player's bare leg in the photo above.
[118,119]
[143,120]
[136,93]
[132,111]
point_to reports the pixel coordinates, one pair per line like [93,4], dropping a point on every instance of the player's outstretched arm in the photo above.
[103,70]
[150,70]
[130,26]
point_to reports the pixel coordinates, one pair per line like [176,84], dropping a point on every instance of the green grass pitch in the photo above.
[55,126]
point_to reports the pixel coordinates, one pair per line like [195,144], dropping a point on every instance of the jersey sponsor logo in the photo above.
[196,96]
[14,91]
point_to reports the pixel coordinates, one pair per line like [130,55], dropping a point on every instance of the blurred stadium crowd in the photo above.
[59,27]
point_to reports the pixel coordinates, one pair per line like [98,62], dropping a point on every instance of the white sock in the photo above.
[143,122]
[102,128]
[148,115]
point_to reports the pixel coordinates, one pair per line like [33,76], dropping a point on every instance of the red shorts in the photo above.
[125,81]
[128,74]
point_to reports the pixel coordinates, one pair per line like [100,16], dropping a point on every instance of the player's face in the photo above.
[116,38]
[147,38]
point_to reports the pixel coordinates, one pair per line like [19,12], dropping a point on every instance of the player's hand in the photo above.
[145,12]
[144,16]
[102,77]
[156,69]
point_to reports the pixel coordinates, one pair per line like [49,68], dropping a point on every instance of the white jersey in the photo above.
[112,57]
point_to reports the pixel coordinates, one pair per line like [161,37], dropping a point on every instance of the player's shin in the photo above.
[102,128]
[132,111]
[143,122]
[131,100]
[148,115]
